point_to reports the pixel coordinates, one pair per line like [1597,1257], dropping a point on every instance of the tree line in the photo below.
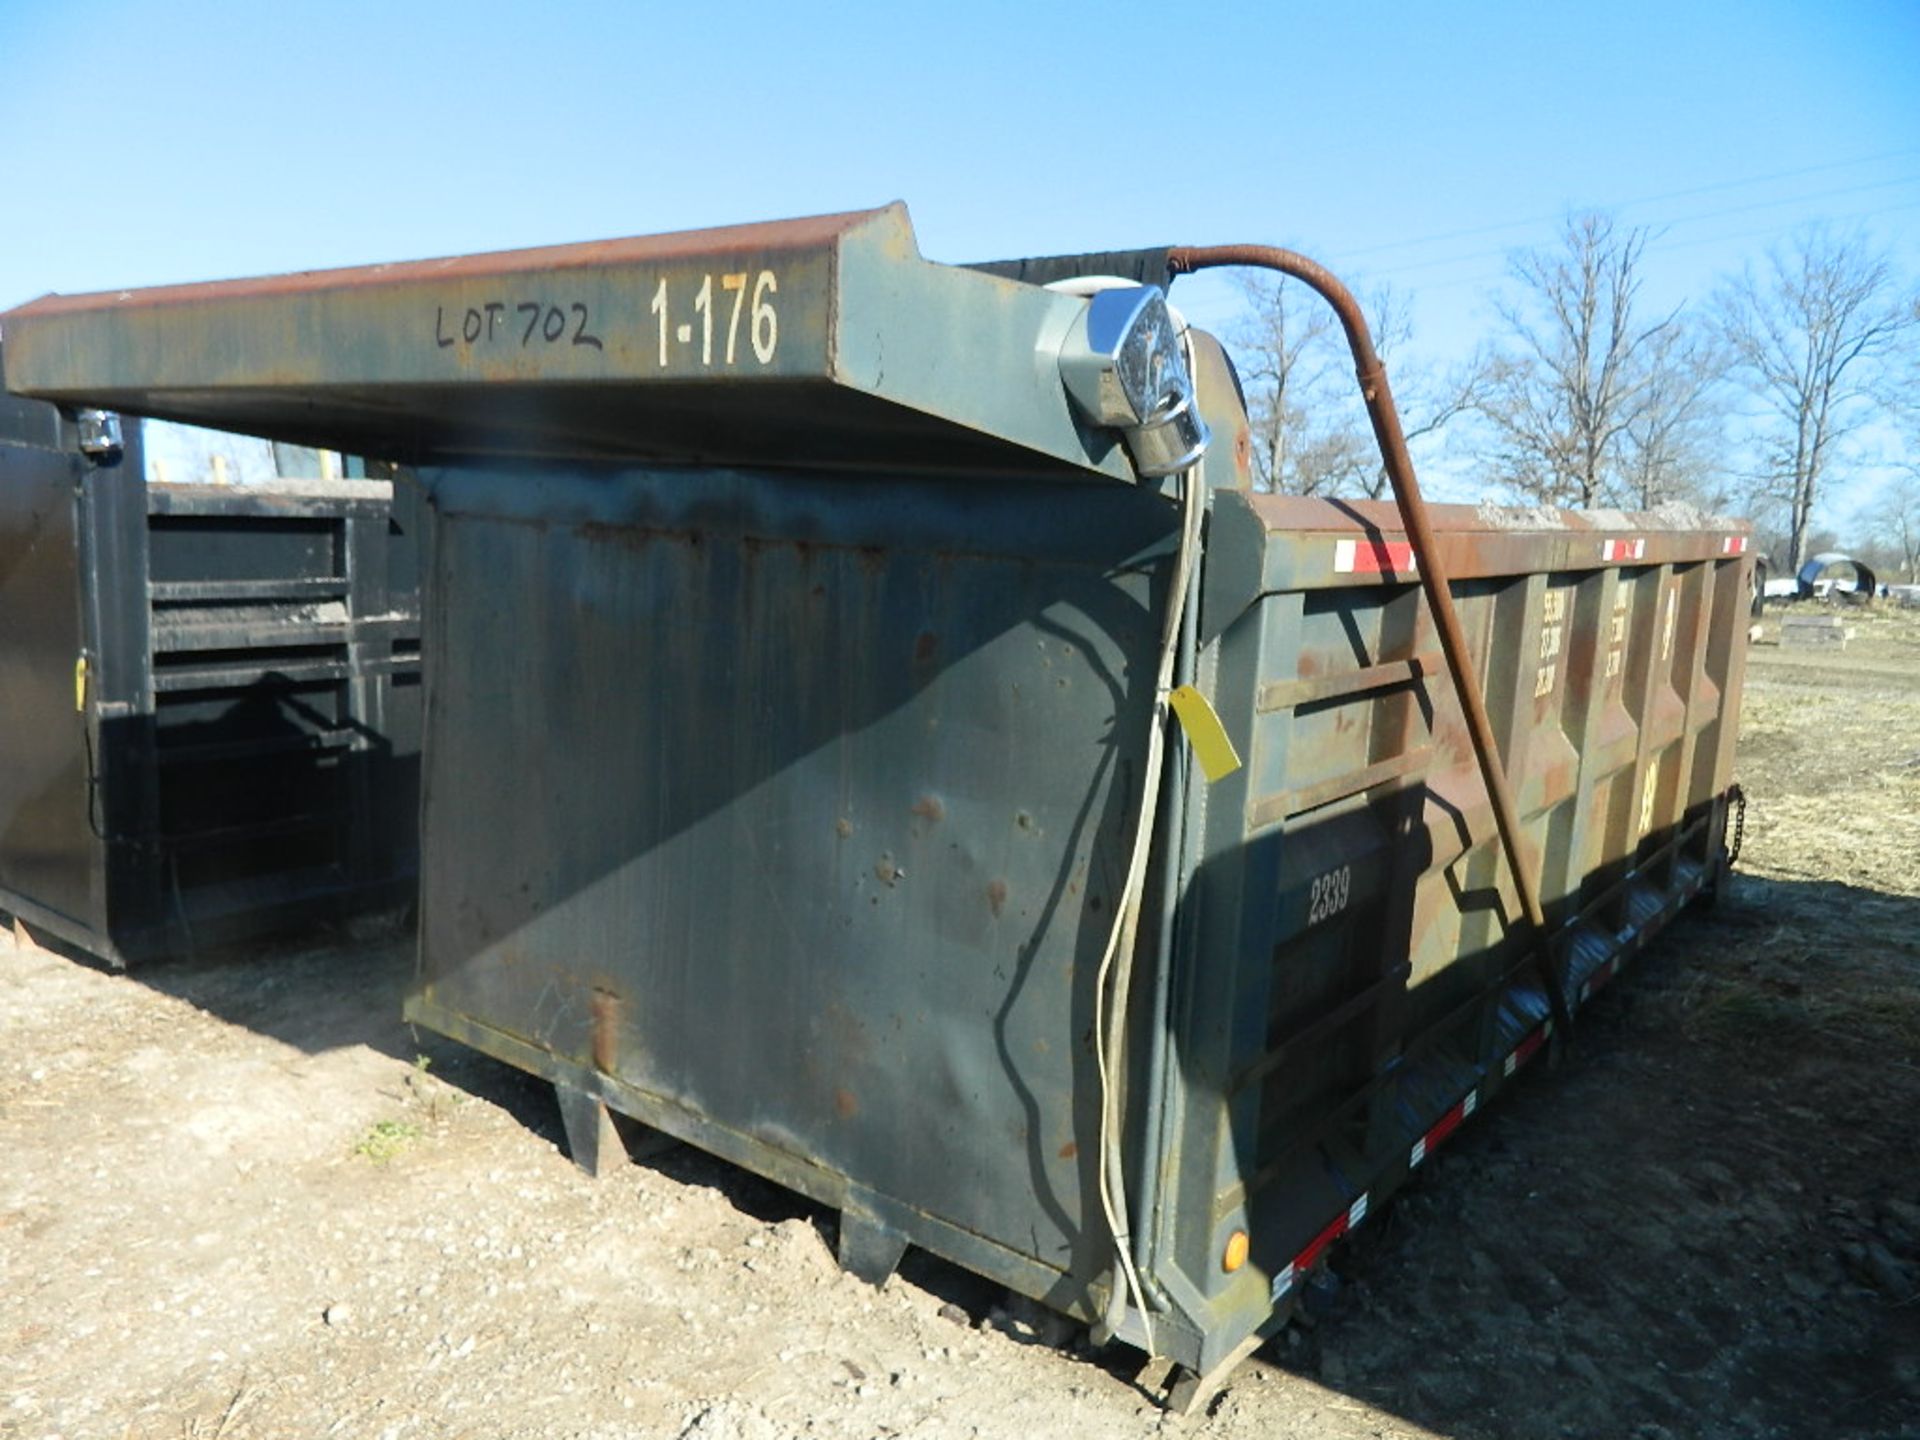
[1759,400]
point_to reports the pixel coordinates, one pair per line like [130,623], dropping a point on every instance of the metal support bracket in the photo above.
[869,1248]
[1193,1392]
[593,1141]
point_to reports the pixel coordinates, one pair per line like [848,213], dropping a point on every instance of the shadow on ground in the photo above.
[331,988]
[1704,1222]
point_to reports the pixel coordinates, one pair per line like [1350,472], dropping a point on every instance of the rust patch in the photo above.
[843,827]
[928,807]
[925,646]
[846,1104]
[886,872]
[1068,1150]
[605,1008]
[996,897]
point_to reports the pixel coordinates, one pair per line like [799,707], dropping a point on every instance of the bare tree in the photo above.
[1310,428]
[1810,340]
[1282,350]
[1894,521]
[1578,366]
[1895,517]
[1672,445]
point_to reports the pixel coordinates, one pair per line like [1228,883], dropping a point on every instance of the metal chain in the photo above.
[1737,798]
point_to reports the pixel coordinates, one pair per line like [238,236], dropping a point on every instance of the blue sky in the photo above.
[146,143]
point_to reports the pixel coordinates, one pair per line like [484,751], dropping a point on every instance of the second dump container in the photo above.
[210,693]
[795,622]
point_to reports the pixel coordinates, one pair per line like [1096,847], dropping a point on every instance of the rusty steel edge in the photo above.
[761,237]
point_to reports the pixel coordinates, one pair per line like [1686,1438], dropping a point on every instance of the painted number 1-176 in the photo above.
[718,319]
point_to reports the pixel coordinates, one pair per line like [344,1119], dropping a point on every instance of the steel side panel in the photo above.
[254,586]
[48,852]
[798,805]
[1613,687]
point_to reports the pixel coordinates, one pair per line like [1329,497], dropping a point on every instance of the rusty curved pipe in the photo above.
[1433,579]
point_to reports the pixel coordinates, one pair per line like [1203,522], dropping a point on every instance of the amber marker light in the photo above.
[1236,1252]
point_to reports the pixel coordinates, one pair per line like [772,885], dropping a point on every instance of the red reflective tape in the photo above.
[1445,1126]
[1598,979]
[1529,1047]
[1734,545]
[1340,1225]
[1373,557]
[1336,1227]
[1614,551]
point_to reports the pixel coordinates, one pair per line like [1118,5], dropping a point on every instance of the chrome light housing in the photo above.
[1122,364]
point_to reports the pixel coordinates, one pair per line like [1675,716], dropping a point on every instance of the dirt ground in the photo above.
[239,1199]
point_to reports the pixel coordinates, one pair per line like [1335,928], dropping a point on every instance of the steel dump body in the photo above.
[781,798]
[210,693]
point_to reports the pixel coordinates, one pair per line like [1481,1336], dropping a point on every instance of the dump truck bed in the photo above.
[787,737]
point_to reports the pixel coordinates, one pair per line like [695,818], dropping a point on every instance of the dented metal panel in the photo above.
[815,841]
[779,786]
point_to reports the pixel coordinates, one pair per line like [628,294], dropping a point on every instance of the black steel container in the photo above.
[209,693]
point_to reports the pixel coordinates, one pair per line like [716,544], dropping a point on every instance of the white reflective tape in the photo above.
[1467,1105]
[1282,1282]
[1343,551]
[1419,1152]
[1356,1212]
[1510,1064]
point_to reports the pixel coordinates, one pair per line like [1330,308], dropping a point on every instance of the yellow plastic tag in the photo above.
[80,684]
[1211,746]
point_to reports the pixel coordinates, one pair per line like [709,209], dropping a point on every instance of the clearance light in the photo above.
[1122,364]
[1236,1252]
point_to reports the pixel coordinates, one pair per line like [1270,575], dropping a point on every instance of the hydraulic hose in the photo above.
[1392,440]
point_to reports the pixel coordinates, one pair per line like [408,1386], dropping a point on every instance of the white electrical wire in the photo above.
[1116,963]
